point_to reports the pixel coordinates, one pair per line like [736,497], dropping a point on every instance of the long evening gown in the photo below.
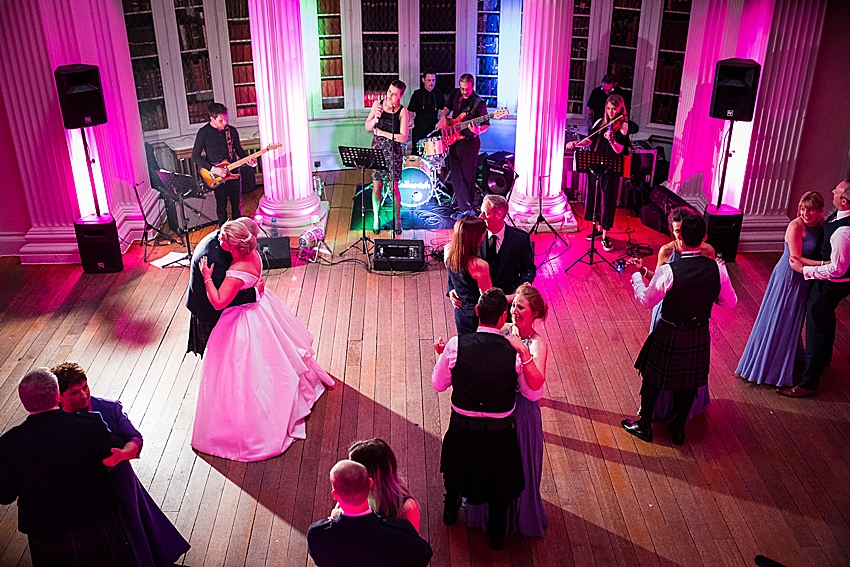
[664,410]
[259,380]
[775,341]
[526,515]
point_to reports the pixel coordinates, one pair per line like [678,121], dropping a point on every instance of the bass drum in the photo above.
[415,185]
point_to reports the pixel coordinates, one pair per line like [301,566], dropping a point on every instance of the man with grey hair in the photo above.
[507,250]
[52,464]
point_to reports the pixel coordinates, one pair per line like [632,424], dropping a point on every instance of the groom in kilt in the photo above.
[676,355]
[480,457]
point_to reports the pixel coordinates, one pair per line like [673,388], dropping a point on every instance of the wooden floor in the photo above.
[758,474]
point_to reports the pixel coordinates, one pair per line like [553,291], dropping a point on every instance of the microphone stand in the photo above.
[392,175]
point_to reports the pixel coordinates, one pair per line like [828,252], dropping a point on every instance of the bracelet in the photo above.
[207,280]
[530,358]
[821,262]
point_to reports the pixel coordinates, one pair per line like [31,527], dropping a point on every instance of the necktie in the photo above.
[491,247]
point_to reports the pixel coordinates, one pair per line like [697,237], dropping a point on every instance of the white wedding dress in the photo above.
[259,380]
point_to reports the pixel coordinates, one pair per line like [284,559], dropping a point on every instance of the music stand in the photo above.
[148,226]
[585,161]
[183,186]
[362,158]
[540,217]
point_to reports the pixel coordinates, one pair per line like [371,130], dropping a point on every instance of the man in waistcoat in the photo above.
[480,456]
[676,355]
[833,285]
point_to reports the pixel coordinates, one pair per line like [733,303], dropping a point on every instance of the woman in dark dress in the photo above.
[153,539]
[614,140]
[388,122]
[469,275]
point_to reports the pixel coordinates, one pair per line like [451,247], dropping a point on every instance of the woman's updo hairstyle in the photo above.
[535,301]
[241,234]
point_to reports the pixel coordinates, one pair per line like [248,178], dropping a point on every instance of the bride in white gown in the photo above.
[259,380]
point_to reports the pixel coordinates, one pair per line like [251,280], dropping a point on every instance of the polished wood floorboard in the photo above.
[759,474]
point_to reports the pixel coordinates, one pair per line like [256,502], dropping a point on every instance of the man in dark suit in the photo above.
[204,315]
[52,464]
[506,249]
[358,537]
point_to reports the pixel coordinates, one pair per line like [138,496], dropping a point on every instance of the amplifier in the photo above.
[275,252]
[643,165]
[399,255]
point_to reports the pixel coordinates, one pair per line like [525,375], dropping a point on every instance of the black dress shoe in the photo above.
[497,541]
[633,427]
[398,231]
[676,435]
[376,230]
[450,509]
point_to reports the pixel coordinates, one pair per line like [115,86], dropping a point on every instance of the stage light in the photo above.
[311,243]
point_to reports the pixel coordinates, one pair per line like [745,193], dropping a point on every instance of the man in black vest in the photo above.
[424,108]
[480,458]
[358,537]
[826,294]
[676,355]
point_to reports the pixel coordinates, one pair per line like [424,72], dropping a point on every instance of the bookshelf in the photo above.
[438,40]
[671,58]
[144,55]
[194,58]
[330,54]
[578,57]
[487,51]
[242,64]
[622,51]
[379,20]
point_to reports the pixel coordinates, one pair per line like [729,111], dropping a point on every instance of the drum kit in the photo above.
[420,175]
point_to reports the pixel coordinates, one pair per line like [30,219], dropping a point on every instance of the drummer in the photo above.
[425,106]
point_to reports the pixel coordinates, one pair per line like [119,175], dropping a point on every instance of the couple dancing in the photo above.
[259,380]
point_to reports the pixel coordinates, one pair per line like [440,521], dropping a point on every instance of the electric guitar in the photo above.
[212,180]
[451,133]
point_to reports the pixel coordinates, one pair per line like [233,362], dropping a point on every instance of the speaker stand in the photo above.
[726,155]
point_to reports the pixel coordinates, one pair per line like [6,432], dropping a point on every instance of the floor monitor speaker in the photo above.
[723,227]
[275,252]
[652,216]
[80,96]
[399,255]
[97,239]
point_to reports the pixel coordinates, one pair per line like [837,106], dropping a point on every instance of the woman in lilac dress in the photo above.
[775,340]
[526,515]
[153,539]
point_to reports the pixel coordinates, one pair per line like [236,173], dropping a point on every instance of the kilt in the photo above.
[676,356]
[484,465]
[199,335]
[386,147]
[102,544]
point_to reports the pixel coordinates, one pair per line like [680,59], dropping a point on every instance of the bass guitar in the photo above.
[212,180]
[454,126]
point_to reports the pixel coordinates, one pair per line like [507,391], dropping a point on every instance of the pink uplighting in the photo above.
[80,172]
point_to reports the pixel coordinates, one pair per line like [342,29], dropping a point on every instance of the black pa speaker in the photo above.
[736,83]
[399,255]
[723,227]
[666,199]
[499,173]
[80,96]
[653,216]
[97,240]
[275,252]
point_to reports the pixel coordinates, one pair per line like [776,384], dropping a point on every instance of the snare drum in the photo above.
[434,147]
[415,185]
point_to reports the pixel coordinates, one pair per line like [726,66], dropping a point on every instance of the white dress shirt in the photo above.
[500,238]
[662,281]
[839,260]
[441,378]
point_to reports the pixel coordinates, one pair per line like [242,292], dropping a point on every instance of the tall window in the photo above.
[437,40]
[240,55]
[330,54]
[487,52]
[195,58]
[671,59]
[578,57]
[145,59]
[622,53]
[380,47]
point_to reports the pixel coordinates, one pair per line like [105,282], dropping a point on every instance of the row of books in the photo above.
[380,15]
[668,78]
[147,49]
[246,94]
[488,23]
[239,30]
[328,6]
[148,83]
[331,67]
[237,8]
[674,34]
[243,74]
[131,6]
[197,75]
[198,112]
[188,3]
[664,109]
[193,35]
[581,26]
[246,110]
[578,69]
[329,26]
[153,116]
[330,46]
[332,87]
[141,32]
[488,45]
[241,52]
[380,57]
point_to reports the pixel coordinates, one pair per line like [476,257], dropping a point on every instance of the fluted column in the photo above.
[542,114]
[38,37]
[282,109]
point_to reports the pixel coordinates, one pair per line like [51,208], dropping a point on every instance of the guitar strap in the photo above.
[229,143]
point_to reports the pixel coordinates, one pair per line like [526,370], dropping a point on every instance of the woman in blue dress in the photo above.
[775,340]
[671,252]
[526,515]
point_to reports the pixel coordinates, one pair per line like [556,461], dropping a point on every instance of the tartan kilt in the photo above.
[102,544]
[676,357]
[484,466]
[199,335]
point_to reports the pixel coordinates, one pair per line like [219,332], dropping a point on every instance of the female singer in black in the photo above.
[614,140]
[388,121]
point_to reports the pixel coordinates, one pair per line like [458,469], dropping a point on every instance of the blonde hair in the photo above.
[617,101]
[812,200]
[241,234]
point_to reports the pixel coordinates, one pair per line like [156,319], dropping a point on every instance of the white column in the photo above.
[542,115]
[38,37]
[282,109]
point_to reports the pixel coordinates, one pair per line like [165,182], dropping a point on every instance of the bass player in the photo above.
[463,103]
[214,143]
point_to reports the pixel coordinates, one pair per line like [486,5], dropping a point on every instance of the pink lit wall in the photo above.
[14,216]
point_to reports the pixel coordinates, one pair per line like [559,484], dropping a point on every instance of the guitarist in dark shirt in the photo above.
[463,155]
[215,142]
